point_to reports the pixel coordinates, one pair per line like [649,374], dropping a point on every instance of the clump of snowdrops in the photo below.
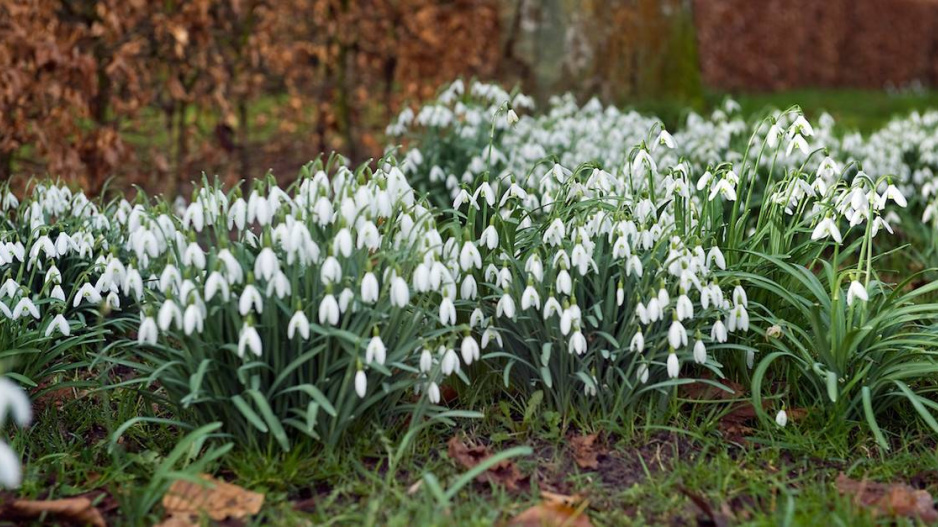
[300,310]
[15,403]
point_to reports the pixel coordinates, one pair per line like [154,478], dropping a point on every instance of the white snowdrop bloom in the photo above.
[25,307]
[217,284]
[739,319]
[375,351]
[896,195]
[9,288]
[664,139]
[87,293]
[237,214]
[331,272]
[426,361]
[797,142]
[655,311]
[233,270]
[469,288]
[447,312]
[715,256]
[249,340]
[685,308]
[192,320]
[555,233]
[551,307]
[342,244]
[577,343]
[250,299]
[642,313]
[10,472]
[15,400]
[724,188]
[530,298]
[564,282]
[781,418]
[148,332]
[169,315]
[133,284]
[489,237]
[700,352]
[266,265]
[469,350]
[827,227]
[856,291]
[534,267]
[511,117]
[464,197]
[469,257]
[642,373]
[505,307]
[194,216]
[279,286]
[634,266]
[299,325]
[476,318]
[677,335]
[368,236]
[450,362]
[739,296]
[59,324]
[488,194]
[329,310]
[433,393]
[400,294]
[369,288]
[620,295]
[718,332]
[674,366]
[491,335]
[638,343]
[58,293]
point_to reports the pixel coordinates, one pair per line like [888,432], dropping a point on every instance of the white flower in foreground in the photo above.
[375,351]
[856,291]
[249,340]
[505,307]
[14,399]
[10,472]
[58,323]
[511,117]
[426,361]
[148,332]
[638,343]
[674,366]
[400,294]
[87,293]
[329,310]
[700,352]
[677,335]
[781,419]
[469,350]
[530,298]
[250,297]
[361,383]
[298,323]
[369,288]
[827,227]
[642,373]
[25,306]
[895,194]
[577,343]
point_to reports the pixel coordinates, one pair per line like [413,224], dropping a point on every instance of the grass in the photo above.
[648,473]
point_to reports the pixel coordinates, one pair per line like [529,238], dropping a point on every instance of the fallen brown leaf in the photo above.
[186,501]
[77,511]
[556,510]
[889,499]
[503,473]
[586,452]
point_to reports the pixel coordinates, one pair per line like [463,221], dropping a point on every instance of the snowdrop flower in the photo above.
[620,295]
[511,117]
[677,335]
[361,384]
[400,294]
[250,297]
[487,193]
[642,373]
[329,310]
[469,288]
[169,315]
[827,227]
[505,307]
[447,312]
[638,343]
[216,284]
[375,351]
[551,307]
[25,306]
[299,324]
[718,332]
[577,343]
[148,332]
[469,350]
[87,293]
[856,291]
[450,362]
[369,288]
[554,234]
[10,473]
[797,142]
[426,361]
[894,194]
[266,265]
[685,308]
[249,340]
[489,237]
[193,320]
[674,366]
[781,418]
[739,319]
[58,323]
[331,271]
[530,298]
[700,352]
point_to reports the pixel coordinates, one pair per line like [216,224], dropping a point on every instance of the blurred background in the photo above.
[153,93]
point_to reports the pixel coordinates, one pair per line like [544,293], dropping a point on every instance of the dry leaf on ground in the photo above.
[77,511]
[504,472]
[586,452]
[186,501]
[556,510]
[889,499]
